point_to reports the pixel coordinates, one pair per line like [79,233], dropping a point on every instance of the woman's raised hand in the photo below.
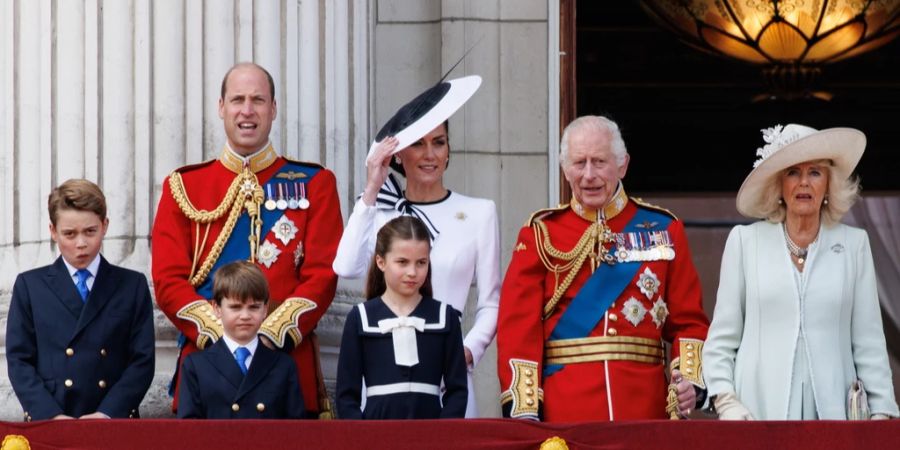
[377,167]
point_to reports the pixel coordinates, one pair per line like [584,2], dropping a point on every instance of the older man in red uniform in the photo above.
[593,289]
[250,204]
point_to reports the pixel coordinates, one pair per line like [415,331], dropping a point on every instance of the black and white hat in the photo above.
[425,112]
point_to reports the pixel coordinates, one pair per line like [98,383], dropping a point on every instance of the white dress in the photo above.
[466,249]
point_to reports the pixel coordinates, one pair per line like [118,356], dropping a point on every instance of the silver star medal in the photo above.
[634,311]
[648,283]
[268,253]
[659,312]
[285,230]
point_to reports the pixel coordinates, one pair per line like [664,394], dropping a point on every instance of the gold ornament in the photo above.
[15,442]
[554,443]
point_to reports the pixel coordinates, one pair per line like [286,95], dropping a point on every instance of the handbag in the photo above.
[857,402]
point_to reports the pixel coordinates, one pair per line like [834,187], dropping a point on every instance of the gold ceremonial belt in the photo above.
[604,348]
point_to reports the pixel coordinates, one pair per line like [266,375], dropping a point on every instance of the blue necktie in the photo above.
[241,354]
[81,285]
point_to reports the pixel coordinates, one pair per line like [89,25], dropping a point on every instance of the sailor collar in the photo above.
[615,206]
[257,162]
[439,323]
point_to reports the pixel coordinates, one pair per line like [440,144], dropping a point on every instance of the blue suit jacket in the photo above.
[69,357]
[270,389]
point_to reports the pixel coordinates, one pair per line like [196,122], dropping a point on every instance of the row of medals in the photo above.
[633,246]
[289,196]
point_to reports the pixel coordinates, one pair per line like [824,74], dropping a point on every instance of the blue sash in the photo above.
[603,287]
[238,247]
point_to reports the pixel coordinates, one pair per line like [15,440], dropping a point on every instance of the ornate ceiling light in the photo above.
[792,39]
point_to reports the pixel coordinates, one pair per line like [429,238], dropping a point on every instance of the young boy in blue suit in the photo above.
[79,336]
[241,379]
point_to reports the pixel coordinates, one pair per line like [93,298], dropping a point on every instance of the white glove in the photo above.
[880,417]
[730,408]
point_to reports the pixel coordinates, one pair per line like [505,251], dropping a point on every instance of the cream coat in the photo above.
[753,337]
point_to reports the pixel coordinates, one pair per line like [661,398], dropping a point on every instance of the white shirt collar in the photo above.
[93,267]
[232,345]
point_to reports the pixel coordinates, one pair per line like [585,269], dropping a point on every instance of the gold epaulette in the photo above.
[644,204]
[541,213]
[524,391]
[209,327]
[282,322]
[689,361]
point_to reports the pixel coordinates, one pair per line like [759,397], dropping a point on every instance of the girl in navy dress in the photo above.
[401,343]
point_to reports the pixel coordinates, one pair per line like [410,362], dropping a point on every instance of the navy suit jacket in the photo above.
[270,389]
[69,357]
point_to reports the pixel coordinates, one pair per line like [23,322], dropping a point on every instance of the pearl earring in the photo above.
[397,159]
[826,201]
[780,201]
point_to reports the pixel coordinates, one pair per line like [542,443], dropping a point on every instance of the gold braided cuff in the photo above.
[282,322]
[689,362]
[201,313]
[524,392]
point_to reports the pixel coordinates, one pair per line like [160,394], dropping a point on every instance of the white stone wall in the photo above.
[123,91]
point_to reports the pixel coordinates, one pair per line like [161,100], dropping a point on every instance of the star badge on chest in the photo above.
[268,254]
[285,230]
[648,283]
[659,312]
[634,311]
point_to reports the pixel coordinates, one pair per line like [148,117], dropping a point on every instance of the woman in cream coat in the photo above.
[797,320]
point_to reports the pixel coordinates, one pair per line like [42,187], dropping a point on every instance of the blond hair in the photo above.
[842,194]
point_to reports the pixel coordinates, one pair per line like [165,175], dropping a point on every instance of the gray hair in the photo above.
[842,194]
[594,123]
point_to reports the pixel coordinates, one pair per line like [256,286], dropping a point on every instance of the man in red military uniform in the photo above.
[250,204]
[593,289]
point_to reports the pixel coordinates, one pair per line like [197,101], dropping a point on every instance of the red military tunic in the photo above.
[295,254]
[616,371]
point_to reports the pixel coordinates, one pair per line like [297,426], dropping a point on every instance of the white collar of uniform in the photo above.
[93,267]
[232,346]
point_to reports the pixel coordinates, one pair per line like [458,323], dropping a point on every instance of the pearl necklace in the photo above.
[795,249]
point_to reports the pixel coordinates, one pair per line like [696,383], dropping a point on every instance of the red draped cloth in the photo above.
[451,434]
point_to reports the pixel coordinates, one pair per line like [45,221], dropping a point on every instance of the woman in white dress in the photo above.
[464,229]
[797,320]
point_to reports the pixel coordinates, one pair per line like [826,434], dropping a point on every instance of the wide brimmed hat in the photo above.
[425,112]
[795,144]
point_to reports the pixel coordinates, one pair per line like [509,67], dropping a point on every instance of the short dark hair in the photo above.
[402,228]
[79,195]
[248,64]
[240,280]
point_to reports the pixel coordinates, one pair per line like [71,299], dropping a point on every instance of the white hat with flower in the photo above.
[795,144]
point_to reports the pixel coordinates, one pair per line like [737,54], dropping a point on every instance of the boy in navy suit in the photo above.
[241,379]
[79,336]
